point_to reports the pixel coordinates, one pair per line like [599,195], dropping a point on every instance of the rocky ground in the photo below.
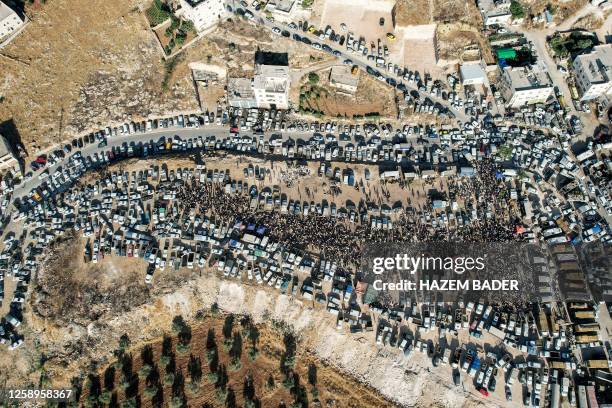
[77,314]
[63,75]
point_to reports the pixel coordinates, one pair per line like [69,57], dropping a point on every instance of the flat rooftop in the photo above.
[5,11]
[240,87]
[527,77]
[597,64]
[282,5]
[472,72]
[341,74]
[5,147]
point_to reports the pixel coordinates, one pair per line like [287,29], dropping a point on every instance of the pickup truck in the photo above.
[467,362]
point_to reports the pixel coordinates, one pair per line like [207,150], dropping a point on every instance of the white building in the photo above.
[526,86]
[497,17]
[10,21]
[472,74]
[240,93]
[340,77]
[271,81]
[593,72]
[495,12]
[281,9]
[7,157]
[204,14]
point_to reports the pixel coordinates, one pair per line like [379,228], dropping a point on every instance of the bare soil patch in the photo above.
[455,11]
[412,12]
[589,22]
[81,64]
[226,361]
[372,96]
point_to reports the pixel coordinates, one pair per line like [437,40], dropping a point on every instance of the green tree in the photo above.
[584,44]
[180,38]
[178,323]
[313,78]
[517,9]
[150,392]
[169,379]
[105,397]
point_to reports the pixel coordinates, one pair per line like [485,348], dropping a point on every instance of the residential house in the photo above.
[271,81]
[526,86]
[8,160]
[341,78]
[593,72]
[204,14]
[10,21]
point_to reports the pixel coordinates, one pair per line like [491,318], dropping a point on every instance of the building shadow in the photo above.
[18,6]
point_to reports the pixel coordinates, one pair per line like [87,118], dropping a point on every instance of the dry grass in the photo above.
[80,64]
[453,38]
[412,12]
[589,22]
[563,10]
[372,96]
[455,11]
[65,76]
[67,290]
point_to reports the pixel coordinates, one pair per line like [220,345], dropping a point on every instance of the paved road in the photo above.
[358,59]
[183,133]
[219,131]
[538,39]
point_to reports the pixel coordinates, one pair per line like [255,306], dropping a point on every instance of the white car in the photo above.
[276,30]
[15,344]
[18,299]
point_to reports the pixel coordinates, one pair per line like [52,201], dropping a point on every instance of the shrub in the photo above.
[235,365]
[105,397]
[169,379]
[213,377]
[193,387]
[158,13]
[289,382]
[144,370]
[129,403]
[517,9]
[150,392]
[180,38]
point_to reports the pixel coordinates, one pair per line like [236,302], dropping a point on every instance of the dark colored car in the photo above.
[456,377]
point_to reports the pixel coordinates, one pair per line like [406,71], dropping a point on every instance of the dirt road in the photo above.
[538,38]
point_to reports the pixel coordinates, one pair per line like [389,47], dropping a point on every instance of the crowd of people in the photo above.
[337,238]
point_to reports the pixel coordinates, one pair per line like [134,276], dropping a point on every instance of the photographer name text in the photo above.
[448,285]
